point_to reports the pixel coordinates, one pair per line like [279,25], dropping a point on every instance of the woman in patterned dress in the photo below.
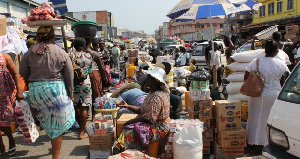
[152,122]
[9,80]
[83,91]
[48,71]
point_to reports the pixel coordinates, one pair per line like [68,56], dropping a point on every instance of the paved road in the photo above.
[41,149]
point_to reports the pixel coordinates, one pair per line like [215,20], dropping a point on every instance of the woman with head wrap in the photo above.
[49,73]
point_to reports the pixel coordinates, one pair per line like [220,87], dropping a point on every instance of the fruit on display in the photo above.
[45,12]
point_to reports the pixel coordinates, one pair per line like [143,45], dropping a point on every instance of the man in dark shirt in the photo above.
[207,49]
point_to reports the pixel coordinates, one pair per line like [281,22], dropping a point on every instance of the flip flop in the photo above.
[85,136]
[12,151]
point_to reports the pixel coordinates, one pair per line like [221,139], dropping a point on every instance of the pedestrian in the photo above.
[82,91]
[214,61]
[287,47]
[116,55]
[9,80]
[207,50]
[106,60]
[161,51]
[272,70]
[98,75]
[183,58]
[48,72]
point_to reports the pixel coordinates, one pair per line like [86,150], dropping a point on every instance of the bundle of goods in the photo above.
[45,12]
[180,75]
[107,102]
[26,121]
[231,137]
[101,136]
[185,139]
[291,32]
[144,57]
[132,154]
[236,79]
[200,103]
[132,53]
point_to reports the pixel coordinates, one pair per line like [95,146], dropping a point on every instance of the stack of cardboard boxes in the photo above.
[291,32]
[231,137]
[201,108]
[101,138]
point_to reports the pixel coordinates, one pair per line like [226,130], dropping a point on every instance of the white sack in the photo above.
[238,67]
[239,96]
[247,56]
[187,143]
[234,87]
[236,77]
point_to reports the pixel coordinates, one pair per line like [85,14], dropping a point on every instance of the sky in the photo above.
[134,15]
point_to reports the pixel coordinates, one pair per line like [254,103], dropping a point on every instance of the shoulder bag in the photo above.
[79,75]
[254,85]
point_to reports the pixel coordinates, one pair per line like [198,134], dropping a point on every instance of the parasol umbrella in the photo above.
[184,5]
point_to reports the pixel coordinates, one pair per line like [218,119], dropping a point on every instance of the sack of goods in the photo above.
[231,137]
[187,139]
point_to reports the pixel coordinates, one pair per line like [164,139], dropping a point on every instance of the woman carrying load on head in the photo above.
[49,73]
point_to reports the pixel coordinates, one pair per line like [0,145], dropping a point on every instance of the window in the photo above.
[221,25]
[202,26]
[214,25]
[197,26]
[291,90]
[290,4]
[279,7]
[262,12]
[271,8]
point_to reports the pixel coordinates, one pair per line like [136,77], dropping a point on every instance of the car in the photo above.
[199,53]
[168,48]
[284,120]
[247,46]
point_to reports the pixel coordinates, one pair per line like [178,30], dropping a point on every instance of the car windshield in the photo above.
[200,50]
[291,89]
[247,47]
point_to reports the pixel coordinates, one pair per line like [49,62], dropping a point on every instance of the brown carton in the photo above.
[206,113]
[204,104]
[101,142]
[228,108]
[122,120]
[232,139]
[2,25]
[206,147]
[208,135]
[227,153]
[229,123]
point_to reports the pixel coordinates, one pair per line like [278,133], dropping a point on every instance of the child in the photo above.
[192,67]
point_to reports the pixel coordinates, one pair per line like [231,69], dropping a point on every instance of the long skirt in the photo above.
[51,105]
[96,83]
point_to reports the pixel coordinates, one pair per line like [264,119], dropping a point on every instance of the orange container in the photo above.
[153,149]
[187,100]
[13,127]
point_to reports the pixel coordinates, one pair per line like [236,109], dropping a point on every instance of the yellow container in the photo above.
[187,100]
[244,111]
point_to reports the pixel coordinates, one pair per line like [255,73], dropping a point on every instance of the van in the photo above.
[199,53]
[284,121]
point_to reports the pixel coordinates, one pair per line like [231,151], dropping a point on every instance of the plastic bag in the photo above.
[187,142]
[200,75]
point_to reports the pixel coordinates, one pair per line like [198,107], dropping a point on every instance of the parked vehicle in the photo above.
[199,53]
[283,123]
[247,46]
[168,48]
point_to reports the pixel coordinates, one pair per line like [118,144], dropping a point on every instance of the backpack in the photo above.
[79,75]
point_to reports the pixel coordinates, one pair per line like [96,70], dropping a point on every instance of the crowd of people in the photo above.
[63,86]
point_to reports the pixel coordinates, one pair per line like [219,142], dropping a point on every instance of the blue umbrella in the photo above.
[184,5]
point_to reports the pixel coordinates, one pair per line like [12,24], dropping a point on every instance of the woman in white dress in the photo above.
[273,71]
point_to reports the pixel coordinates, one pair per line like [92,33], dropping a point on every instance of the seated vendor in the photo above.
[152,122]
[132,94]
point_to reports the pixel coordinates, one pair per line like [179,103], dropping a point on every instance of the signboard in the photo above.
[101,34]
[125,35]
[208,34]
[85,16]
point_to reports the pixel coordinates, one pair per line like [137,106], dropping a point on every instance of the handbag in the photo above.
[254,85]
[79,75]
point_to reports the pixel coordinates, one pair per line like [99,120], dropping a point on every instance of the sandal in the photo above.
[85,136]
[12,151]
[2,151]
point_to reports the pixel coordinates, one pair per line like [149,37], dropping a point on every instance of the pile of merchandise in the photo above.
[231,137]
[101,136]
[105,102]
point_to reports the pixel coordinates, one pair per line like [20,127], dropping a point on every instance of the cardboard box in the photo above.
[100,154]
[204,104]
[101,142]
[228,108]
[206,123]
[232,139]
[2,25]
[229,123]
[227,153]
[122,120]
[206,113]
[208,135]
[206,147]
